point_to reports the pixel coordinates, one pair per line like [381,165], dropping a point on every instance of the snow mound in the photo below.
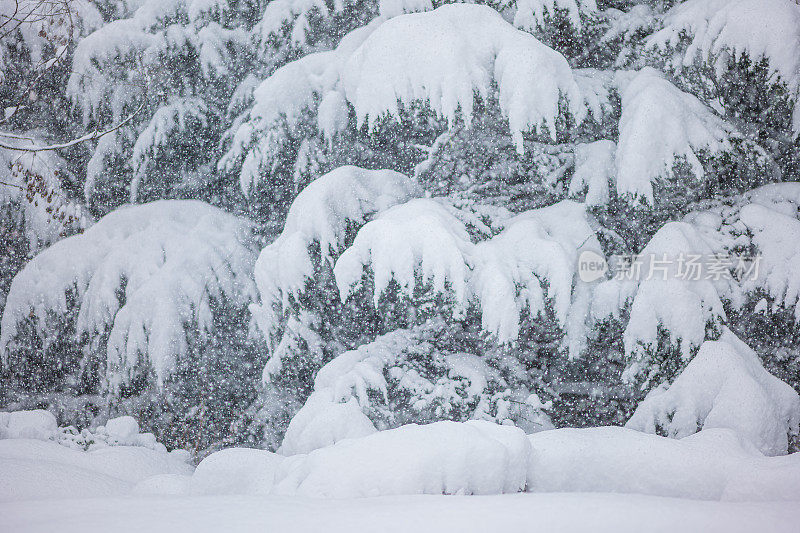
[447,55]
[442,458]
[417,238]
[762,29]
[236,471]
[170,259]
[321,215]
[660,123]
[724,386]
[323,421]
[613,459]
[41,469]
[36,424]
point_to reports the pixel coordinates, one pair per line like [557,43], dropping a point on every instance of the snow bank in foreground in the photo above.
[711,465]
[474,457]
[236,471]
[724,386]
[35,469]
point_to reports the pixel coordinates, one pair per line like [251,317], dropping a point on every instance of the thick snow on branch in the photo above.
[773,219]
[170,260]
[724,386]
[96,83]
[664,295]
[537,249]
[530,264]
[594,170]
[446,56]
[660,123]
[321,214]
[762,29]
[418,238]
[296,13]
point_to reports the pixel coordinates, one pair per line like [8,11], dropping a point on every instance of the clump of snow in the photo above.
[236,471]
[762,29]
[321,215]
[474,457]
[417,238]
[122,428]
[36,424]
[660,123]
[169,258]
[325,420]
[724,386]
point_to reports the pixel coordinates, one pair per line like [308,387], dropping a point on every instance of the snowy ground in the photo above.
[513,512]
[414,478]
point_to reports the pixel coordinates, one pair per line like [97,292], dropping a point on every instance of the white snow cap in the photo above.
[762,29]
[320,214]
[170,258]
[660,123]
[724,386]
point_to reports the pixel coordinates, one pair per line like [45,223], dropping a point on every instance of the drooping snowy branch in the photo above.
[660,123]
[665,297]
[505,276]
[443,57]
[400,376]
[762,29]
[170,260]
[420,238]
[724,386]
[537,249]
[320,215]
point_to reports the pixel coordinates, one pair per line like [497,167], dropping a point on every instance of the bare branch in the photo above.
[96,134]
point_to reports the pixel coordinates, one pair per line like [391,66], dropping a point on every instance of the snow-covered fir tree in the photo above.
[429,178]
